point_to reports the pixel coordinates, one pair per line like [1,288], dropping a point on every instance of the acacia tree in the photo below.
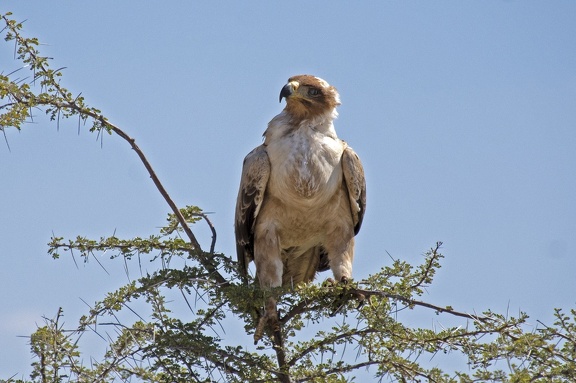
[327,334]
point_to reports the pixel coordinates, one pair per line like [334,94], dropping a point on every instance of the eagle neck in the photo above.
[284,124]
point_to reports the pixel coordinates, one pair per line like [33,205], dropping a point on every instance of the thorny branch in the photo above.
[413,302]
[64,101]
[428,269]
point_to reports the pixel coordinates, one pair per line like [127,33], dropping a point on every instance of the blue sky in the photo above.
[464,114]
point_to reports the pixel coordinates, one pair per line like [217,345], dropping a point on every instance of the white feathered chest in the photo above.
[305,163]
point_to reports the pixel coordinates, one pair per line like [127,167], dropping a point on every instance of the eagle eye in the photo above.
[313,92]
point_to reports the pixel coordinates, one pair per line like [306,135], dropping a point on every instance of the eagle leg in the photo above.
[268,321]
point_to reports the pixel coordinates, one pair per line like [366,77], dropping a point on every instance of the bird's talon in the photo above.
[329,282]
[361,299]
[268,321]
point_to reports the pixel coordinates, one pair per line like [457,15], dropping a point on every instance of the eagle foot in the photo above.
[268,321]
[329,283]
[345,295]
[359,296]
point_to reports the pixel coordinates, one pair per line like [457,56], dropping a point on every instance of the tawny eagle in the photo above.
[302,194]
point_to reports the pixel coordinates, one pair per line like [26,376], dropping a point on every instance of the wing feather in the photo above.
[356,185]
[255,174]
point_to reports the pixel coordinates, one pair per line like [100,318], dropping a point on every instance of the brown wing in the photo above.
[356,185]
[255,173]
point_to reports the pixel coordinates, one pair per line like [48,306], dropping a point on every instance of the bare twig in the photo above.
[413,302]
[212,229]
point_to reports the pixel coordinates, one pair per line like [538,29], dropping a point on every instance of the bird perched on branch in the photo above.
[302,194]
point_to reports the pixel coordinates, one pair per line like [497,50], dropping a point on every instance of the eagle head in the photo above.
[308,97]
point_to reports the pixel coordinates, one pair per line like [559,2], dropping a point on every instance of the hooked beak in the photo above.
[285,92]
[288,89]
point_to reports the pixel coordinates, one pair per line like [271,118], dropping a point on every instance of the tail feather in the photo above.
[303,266]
